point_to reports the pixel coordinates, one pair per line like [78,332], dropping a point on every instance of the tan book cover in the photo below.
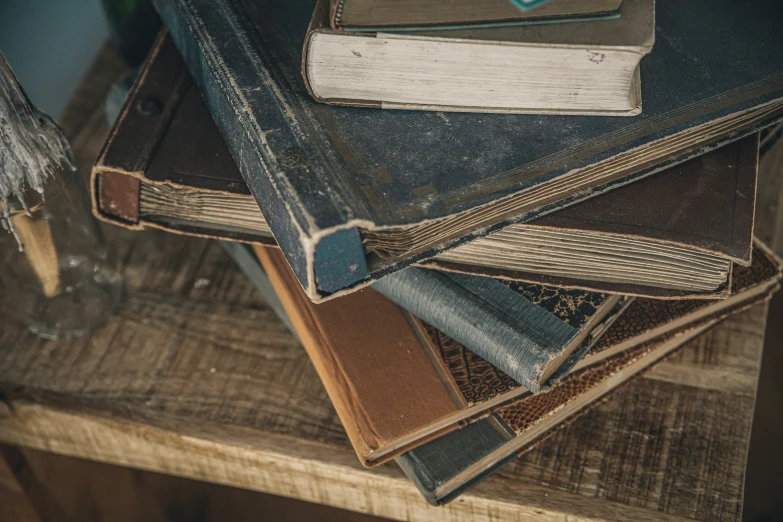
[397,383]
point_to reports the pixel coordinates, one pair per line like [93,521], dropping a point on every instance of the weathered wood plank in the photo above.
[96,491]
[302,471]
[623,452]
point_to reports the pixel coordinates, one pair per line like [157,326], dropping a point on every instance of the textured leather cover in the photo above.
[527,331]
[328,176]
[192,154]
[524,414]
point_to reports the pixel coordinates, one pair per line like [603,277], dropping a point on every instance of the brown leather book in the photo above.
[383,368]
[672,235]
[397,383]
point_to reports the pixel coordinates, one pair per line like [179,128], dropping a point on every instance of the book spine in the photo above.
[245,100]
[433,465]
[361,344]
[145,115]
[493,321]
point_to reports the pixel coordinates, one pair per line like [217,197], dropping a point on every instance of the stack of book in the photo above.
[478,217]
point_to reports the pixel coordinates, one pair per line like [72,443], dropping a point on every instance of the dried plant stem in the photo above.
[32,146]
[36,236]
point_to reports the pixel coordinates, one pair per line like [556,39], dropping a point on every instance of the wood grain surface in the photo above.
[195,376]
[769,197]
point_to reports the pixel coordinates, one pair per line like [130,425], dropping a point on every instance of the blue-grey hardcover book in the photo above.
[353,194]
[532,333]
[434,466]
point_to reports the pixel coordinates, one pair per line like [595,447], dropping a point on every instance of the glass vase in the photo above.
[56,272]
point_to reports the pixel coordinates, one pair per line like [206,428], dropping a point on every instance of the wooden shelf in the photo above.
[195,376]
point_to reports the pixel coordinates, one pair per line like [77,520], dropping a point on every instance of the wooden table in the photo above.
[195,376]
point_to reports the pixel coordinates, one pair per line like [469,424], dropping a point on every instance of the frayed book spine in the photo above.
[487,317]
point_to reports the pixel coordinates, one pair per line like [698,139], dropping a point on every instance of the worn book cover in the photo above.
[392,399]
[648,331]
[507,68]
[530,332]
[631,240]
[333,180]
[377,361]
[172,171]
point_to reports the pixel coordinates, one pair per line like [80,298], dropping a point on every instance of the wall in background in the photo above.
[50,44]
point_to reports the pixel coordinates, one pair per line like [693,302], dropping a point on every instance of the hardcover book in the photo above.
[396,15]
[439,472]
[380,365]
[397,382]
[454,463]
[648,331]
[675,234]
[173,171]
[584,67]
[352,194]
